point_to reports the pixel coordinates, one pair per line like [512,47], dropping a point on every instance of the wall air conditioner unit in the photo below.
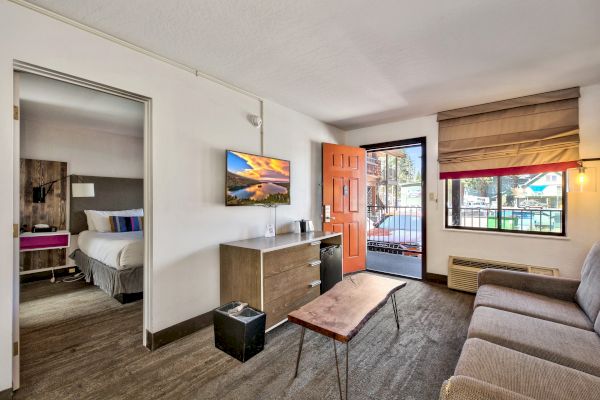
[462,271]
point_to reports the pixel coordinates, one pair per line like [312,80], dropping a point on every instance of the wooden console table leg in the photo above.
[299,351]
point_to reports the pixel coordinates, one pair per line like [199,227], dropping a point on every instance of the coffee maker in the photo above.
[303,226]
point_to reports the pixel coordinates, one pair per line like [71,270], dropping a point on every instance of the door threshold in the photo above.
[380,271]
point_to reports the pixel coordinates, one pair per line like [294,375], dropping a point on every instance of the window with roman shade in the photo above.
[526,135]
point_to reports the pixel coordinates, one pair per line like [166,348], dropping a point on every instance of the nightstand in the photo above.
[44,240]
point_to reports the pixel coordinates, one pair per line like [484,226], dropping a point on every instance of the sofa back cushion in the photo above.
[588,293]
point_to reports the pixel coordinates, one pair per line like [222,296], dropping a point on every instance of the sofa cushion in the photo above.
[562,344]
[533,305]
[597,324]
[588,292]
[466,388]
[524,374]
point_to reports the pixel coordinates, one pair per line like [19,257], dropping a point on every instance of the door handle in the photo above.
[315,263]
[314,283]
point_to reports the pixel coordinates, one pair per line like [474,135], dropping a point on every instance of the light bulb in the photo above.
[581,178]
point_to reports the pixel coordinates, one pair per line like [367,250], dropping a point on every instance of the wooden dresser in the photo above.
[276,275]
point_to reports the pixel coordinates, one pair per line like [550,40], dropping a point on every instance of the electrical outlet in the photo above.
[71,270]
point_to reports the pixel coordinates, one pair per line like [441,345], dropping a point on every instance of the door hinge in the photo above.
[15,349]
[16,113]
[15,230]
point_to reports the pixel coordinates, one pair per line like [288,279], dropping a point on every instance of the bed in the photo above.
[113,261]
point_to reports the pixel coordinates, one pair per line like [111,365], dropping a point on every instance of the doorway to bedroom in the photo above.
[80,163]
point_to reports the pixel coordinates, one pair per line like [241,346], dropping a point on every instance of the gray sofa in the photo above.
[532,337]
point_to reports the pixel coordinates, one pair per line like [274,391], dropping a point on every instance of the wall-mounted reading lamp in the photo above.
[78,189]
[582,178]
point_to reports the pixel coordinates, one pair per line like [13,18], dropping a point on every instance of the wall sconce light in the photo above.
[582,179]
[82,190]
[40,192]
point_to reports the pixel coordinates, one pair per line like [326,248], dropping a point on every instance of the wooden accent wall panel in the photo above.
[53,212]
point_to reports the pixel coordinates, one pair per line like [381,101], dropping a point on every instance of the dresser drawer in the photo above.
[291,281]
[275,262]
[278,309]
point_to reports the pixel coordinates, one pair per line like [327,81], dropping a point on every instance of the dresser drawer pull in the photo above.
[318,242]
[315,263]
[314,283]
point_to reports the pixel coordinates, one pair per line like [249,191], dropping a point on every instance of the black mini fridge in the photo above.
[331,266]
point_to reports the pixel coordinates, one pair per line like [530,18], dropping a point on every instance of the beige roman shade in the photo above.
[524,135]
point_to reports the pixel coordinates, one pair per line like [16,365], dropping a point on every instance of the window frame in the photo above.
[498,210]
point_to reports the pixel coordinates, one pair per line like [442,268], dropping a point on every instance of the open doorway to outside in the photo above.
[395,207]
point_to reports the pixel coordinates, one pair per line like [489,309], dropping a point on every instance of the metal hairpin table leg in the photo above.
[395,307]
[347,353]
[337,367]
[299,351]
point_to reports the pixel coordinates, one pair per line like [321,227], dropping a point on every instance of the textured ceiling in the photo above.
[354,63]
[53,101]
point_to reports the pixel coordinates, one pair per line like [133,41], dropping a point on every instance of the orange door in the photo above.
[344,185]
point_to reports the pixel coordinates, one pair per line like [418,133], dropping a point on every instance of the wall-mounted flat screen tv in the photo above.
[256,180]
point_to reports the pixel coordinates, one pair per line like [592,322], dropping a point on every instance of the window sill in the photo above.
[520,235]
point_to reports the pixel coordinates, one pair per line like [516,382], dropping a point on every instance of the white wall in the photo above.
[87,151]
[583,210]
[194,121]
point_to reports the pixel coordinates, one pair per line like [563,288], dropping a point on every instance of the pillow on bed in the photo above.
[100,219]
[90,220]
[126,223]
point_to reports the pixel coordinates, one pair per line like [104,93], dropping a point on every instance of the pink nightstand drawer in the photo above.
[41,242]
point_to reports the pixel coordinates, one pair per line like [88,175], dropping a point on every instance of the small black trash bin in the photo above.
[241,336]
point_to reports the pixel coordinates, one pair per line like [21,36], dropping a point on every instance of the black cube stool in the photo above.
[242,336]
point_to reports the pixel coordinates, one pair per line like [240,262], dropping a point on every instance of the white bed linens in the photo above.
[120,250]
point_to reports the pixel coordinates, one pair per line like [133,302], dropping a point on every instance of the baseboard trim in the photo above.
[436,278]
[6,394]
[177,331]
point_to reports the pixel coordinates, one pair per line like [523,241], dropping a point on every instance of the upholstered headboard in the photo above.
[111,194]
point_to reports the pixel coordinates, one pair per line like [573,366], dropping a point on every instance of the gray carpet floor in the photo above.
[78,343]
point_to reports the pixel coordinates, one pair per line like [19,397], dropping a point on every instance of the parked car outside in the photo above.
[396,233]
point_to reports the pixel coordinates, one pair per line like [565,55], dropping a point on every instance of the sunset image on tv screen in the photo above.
[253,179]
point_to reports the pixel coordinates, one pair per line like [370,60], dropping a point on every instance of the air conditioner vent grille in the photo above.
[462,271]
[483,264]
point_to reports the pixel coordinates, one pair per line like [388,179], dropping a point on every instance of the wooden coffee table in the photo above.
[342,311]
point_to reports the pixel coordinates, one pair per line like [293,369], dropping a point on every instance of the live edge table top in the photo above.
[342,311]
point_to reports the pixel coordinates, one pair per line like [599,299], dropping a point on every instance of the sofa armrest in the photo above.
[466,388]
[551,286]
